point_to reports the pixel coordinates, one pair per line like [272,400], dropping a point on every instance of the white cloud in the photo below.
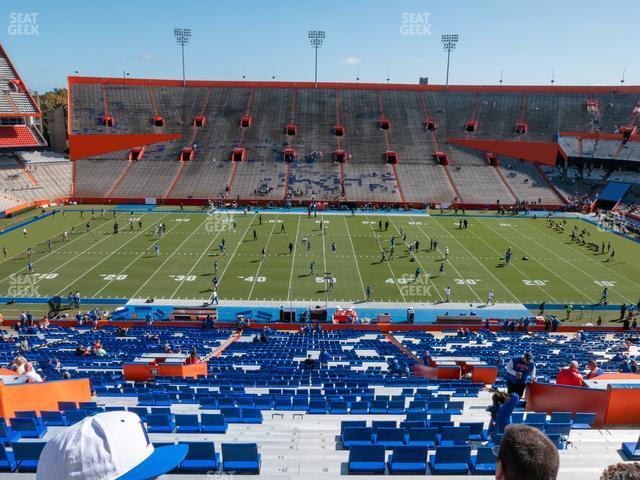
[351,60]
[146,57]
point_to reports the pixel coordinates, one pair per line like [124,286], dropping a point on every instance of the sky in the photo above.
[577,42]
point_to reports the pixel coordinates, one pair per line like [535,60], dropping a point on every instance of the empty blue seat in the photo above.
[450,460]
[282,403]
[7,460]
[241,457]
[27,454]
[423,437]
[53,419]
[142,412]
[160,423]
[67,406]
[560,428]
[389,437]
[28,427]
[476,431]
[377,424]
[408,459]
[583,421]
[367,459]
[208,403]
[378,407]
[251,415]
[359,408]
[396,407]
[517,417]
[535,417]
[299,403]
[561,417]
[201,458]
[213,423]
[232,415]
[484,462]
[357,436]
[317,406]
[351,424]
[7,434]
[417,406]
[631,451]
[417,417]
[74,416]
[440,417]
[454,436]
[187,423]
[338,407]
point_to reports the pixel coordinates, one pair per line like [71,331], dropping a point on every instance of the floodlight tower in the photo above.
[449,42]
[316,37]
[182,38]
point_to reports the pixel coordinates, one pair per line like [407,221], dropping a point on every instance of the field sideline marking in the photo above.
[551,297]
[196,262]
[261,261]
[324,258]
[293,260]
[424,270]
[542,264]
[164,262]
[452,264]
[106,237]
[574,266]
[377,239]
[355,257]
[592,259]
[140,232]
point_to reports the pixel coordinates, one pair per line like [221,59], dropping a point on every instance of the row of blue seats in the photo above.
[370,459]
[422,437]
[201,457]
[578,421]
[206,423]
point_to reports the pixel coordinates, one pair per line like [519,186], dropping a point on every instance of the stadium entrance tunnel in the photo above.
[471,126]
[246,121]
[521,128]
[289,155]
[340,156]
[391,157]
[441,158]
[338,131]
[238,155]
[187,154]
[292,129]
[136,154]
[200,121]
[492,160]
[108,121]
[430,124]
[385,123]
[158,121]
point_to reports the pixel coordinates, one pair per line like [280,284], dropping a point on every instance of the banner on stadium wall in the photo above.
[150,201]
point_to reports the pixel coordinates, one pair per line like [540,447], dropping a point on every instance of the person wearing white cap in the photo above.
[107,446]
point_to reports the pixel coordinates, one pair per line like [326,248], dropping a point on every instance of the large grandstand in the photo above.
[292,279]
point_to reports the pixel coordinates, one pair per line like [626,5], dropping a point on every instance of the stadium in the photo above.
[314,278]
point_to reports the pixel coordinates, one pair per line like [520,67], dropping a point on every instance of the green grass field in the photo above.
[101,264]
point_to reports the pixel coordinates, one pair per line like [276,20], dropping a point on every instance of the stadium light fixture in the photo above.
[316,38]
[182,38]
[449,42]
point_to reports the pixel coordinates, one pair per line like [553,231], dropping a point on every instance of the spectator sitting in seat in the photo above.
[99,352]
[24,345]
[593,370]
[18,364]
[80,350]
[309,362]
[31,375]
[324,358]
[193,357]
[570,376]
[525,453]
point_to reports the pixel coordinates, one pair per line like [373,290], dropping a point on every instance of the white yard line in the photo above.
[324,258]
[395,279]
[261,261]
[451,263]
[543,266]
[140,232]
[164,262]
[236,249]
[293,260]
[355,258]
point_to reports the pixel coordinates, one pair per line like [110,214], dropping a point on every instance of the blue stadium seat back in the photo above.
[53,418]
[583,421]
[539,426]
[142,412]
[367,459]
[160,423]
[227,402]
[423,437]
[231,415]
[629,450]
[484,462]
[352,424]
[8,435]
[440,417]
[411,425]
[240,457]
[408,459]
[67,406]
[450,460]
[145,399]
[7,460]
[27,454]
[440,425]
[379,406]
[201,458]
[417,406]
[208,403]
[417,417]
[86,406]
[75,416]
[455,407]
[560,428]
[187,423]
[161,410]
[263,403]
[300,404]
[561,417]
[357,436]
[535,417]
[377,424]
[396,407]
[338,407]
[213,423]
[517,417]
[454,436]
[28,427]
[437,406]
[359,408]
[389,437]
[476,430]
[251,415]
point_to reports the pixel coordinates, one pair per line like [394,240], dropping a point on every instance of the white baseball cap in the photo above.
[107,446]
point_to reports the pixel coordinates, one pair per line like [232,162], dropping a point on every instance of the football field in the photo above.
[546,265]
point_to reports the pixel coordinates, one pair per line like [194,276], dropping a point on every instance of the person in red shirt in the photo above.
[570,376]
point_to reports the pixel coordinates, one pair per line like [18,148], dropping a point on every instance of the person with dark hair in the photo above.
[520,372]
[525,453]
[497,400]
